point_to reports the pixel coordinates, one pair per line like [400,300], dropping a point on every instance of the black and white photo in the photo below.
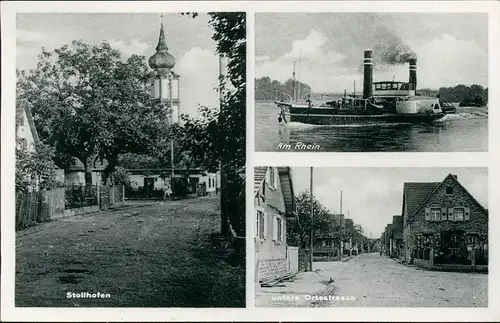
[129,187]
[371,237]
[371,82]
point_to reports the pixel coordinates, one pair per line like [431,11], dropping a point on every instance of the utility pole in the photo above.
[171,103]
[341,253]
[312,232]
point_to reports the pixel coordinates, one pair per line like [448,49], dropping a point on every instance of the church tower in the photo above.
[165,85]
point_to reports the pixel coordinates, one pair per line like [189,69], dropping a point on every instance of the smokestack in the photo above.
[413,73]
[368,74]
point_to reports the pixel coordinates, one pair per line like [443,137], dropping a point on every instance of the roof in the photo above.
[285,176]
[258,178]
[436,188]
[453,178]
[22,105]
[414,194]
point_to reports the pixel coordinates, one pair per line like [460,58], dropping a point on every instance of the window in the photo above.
[449,190]
[261,233]
[279,229]
[272,177]
[435,214]
[458,213]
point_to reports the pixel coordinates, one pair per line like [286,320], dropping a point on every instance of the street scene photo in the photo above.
[371,82]
[371,237]
[130,160]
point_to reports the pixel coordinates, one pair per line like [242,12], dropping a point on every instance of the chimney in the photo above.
[368,74]
[455,176]
[413,74]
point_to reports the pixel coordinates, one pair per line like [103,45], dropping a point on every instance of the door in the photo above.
[149,184]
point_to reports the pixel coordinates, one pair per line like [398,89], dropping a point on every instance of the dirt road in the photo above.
[369,280]
[163,255]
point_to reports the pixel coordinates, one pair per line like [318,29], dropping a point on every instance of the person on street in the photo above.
[167,191]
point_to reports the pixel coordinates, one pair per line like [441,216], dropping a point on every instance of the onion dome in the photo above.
[162,58]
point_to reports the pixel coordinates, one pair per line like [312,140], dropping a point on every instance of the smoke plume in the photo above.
[390,48]
[398,54]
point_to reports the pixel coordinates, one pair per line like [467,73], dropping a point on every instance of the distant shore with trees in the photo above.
[267,89]
[473,95]
[465,95]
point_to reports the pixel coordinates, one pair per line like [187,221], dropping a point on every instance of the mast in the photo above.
[298,84]
[354,92]
[293,82]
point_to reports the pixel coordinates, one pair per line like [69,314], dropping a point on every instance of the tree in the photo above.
[225,134]
[267,89]
[196,139]
[322,222]
[35,169]
[90,104]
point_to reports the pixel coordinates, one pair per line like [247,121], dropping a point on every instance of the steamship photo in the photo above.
[371,82]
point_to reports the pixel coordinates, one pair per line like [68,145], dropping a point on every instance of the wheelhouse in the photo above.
[392,88]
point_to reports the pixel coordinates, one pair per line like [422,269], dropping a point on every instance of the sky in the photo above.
[189,41]
[451,47]
[372,196]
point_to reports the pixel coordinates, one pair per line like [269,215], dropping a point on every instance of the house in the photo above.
[275,208]
[26,133]
[397,237]
[326,247]
[388,234]
[199,181]
[25,126]
[444,225]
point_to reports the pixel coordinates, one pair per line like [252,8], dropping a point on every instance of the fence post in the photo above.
[98,192]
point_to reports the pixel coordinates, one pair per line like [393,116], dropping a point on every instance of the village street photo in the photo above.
[371,237]
[130,160]
[371,82]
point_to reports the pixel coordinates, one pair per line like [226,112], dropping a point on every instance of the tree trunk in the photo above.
[224,218]
[88,172]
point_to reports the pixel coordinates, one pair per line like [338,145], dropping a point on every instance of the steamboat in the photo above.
[386,101]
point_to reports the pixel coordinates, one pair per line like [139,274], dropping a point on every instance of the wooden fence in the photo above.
[43,206]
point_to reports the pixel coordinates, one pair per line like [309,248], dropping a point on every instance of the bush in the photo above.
[80,196]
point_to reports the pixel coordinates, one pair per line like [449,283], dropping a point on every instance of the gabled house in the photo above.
[274,204]
[388,236]
[443,225]
[25,126]
[27,135]
[397,237]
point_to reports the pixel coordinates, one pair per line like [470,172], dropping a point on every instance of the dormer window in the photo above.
[449,190]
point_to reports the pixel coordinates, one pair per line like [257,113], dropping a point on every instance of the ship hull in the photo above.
[336,119]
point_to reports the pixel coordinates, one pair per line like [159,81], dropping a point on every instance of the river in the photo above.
[464,131]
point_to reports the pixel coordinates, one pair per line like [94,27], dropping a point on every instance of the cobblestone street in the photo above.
[371,280]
